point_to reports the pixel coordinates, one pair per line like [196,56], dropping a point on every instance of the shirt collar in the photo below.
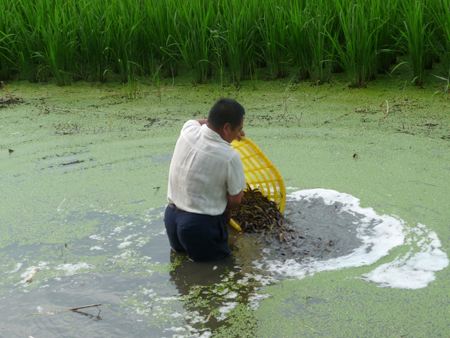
[211,134]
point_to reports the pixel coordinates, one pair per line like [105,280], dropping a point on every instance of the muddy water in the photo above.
[84,188]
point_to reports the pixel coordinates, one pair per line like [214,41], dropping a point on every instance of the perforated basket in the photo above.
[260,173]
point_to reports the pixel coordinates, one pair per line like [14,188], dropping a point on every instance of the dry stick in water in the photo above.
[83,307]
[77,310]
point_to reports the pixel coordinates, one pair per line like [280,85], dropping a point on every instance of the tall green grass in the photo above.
[221,40]
[415,37]
[273,28]
[441,38]
[238,20]
[322,55]
[357,42]
[298,42]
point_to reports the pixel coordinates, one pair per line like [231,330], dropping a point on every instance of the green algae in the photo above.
[241,322]
[400,136]
[338,304]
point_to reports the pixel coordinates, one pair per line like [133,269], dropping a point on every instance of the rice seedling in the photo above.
[94,53]
[193,37]
[7,40]
[414,37]
[56,29]
[238,20]
[5,55]
[97,40]
[123,22]
[387,51]
[357,47]
[321,56]
[158,37]
[298,42]
[272,27]
[217,51]
[440,12]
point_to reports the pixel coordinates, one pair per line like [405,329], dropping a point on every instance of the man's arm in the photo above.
[235,200]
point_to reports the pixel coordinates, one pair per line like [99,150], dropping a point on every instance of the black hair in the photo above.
[226,111]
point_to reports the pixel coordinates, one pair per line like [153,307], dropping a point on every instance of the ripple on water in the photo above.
[370,236]
[127,266]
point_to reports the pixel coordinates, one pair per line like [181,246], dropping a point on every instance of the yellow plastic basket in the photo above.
[260,173]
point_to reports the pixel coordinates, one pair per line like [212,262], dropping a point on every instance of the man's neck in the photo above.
[216,130]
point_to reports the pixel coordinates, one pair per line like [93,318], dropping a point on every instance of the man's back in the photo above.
[203,170]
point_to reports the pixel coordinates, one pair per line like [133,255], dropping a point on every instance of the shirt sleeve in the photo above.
[235,178]
[190,124]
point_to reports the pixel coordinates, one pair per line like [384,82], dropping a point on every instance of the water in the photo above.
[82,224]
[145,290]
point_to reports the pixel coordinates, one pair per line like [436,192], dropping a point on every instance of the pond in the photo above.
[83,185]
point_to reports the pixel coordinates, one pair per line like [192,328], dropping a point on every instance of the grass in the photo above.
[221,40]
[440,13]
[357,43]
[414,35]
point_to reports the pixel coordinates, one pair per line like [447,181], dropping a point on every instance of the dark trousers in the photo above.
[202,237]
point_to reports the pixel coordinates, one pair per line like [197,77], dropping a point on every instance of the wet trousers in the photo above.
[202,237]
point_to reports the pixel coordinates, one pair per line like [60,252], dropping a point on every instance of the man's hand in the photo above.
[234,201]
[241,135]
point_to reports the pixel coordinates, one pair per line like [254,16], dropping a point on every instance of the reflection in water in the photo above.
[148,291]
[211,290]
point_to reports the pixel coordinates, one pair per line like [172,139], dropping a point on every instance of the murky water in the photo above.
[82,224]
[127,267]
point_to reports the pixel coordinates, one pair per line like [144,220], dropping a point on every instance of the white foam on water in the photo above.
[17,268]
[225,309]
[30,272]
[378,234]
[255,299]
[415,269]
[71,269]
[124,245]
[97,237]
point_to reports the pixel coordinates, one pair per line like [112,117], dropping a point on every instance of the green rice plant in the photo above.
[272,27]
[414,37]
[56,29]
[217,52]
[387,52]
[100,39]
[298,43]
[94,53]
[193,20]
[6,61]
[238,20]
[440,12]
[123,22]
[23,21]
[357,47]
[158,36]
[321,55]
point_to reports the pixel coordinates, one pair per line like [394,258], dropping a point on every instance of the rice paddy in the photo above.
[222,41]
[362,247]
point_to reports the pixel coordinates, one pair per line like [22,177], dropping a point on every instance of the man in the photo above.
[205,178]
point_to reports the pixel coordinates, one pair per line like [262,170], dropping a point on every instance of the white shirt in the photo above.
[204,168]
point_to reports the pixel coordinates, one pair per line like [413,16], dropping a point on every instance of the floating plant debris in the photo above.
[257,213]
[5,101]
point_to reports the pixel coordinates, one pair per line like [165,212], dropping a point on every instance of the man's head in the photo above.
[226,117]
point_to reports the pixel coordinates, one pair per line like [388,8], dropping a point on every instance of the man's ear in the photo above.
[227,127]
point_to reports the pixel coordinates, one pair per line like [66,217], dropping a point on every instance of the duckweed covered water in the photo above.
[84,190]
